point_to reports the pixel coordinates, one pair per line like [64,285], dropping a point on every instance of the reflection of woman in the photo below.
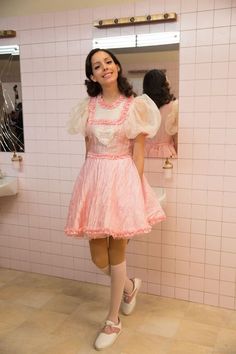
[112,201]
[156,86]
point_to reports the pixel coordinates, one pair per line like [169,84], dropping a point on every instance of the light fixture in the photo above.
[115,42]
[163,38]
[168,168]
[138,40]
[135,20]
[9,49]
[16,160]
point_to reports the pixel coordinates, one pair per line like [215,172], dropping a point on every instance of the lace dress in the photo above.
[162,145]
[109,198]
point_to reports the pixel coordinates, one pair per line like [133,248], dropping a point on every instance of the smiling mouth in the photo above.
[107,75]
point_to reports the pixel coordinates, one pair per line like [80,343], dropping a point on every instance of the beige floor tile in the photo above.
[232,321]
[14,314]
[6,328]
[26,339]
[69,346]
[226,341]
[9,274]
[62,303]
[183,347]
[208,314]
[161,326]
[198,333]
[162,306]
[45,320]
[35,298]
[41,314]
[12,292]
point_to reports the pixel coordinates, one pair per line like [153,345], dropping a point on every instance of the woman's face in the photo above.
[105,71]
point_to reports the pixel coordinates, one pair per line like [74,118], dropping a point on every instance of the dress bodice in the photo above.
[111,128]
[105,127]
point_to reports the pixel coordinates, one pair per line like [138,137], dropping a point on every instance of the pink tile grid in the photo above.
[192,254]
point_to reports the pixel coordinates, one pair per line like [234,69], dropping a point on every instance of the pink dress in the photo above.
[109,197]
[162,145]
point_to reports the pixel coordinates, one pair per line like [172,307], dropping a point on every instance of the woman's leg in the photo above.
[99,254]
[116,251]
[99,249]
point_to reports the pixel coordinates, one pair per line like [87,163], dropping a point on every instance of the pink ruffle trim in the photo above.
[120,120]
[93,234]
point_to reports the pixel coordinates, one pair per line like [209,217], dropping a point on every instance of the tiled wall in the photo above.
[192,255]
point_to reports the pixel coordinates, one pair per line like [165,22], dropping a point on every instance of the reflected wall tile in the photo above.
[222,17]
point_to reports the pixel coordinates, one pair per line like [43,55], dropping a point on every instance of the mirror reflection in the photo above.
[160,66]
[11,113]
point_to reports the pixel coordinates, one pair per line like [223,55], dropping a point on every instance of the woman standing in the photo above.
[112,201]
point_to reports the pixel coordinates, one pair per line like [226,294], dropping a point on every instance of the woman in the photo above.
[112,201]
[157,87]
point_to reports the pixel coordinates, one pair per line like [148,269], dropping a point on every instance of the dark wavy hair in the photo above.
[156,86]
[94,88]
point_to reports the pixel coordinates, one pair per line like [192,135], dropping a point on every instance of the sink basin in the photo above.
[160,192]
[8,186]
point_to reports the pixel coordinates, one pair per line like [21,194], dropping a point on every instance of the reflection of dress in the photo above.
[109,197]
[163,144]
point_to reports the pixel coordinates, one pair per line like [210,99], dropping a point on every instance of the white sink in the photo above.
[160,192]
[8,186]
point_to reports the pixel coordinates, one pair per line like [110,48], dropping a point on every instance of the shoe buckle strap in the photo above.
[110,329]
[129,297]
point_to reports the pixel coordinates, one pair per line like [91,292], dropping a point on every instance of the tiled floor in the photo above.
[47,315]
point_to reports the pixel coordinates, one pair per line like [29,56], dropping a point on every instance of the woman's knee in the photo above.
[99,252]
[117,249]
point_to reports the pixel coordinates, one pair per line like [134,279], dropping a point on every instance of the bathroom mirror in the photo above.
[136,60]
[11,113]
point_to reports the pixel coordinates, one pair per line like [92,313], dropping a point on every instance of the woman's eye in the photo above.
[96,67]
[109,62]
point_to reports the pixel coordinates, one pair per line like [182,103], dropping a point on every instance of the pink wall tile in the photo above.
[227,288]
[211,299]
[227,274]
[205,19]
[198,238]
[227,302]
[182,294]
[212,272]
[205,5]
[196,296]
[222,17]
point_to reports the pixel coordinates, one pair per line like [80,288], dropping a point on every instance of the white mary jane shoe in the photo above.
[108,335]
[129,300]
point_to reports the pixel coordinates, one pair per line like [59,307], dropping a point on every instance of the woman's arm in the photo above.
[138,153]
[86,146]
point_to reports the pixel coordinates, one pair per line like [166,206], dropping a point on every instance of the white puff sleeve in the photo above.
[78,118]
[171,123]
[143,117]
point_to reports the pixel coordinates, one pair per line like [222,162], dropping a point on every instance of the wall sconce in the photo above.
[7,33]
[168,168]
[16,160]
[124,21]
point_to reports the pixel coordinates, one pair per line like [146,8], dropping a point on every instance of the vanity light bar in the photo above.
[115,42]
[137,40]
[124,21]
[9,49]
[163,38]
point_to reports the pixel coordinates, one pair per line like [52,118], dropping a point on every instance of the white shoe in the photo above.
[129,300]
[108,335]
